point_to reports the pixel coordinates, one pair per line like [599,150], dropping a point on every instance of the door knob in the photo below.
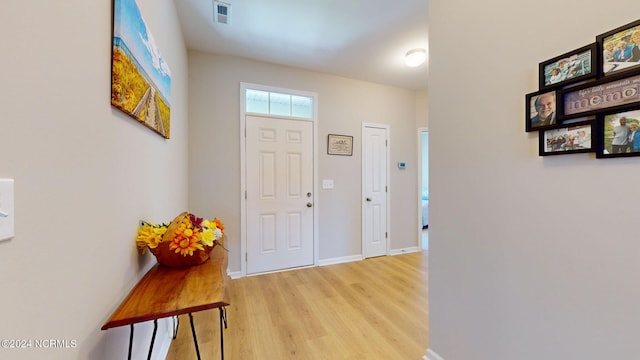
[368,199]
[309,204]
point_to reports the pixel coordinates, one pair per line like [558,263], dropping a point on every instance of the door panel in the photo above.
[375,192]
[279,174]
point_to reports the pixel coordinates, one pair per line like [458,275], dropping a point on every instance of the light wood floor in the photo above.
[370,309]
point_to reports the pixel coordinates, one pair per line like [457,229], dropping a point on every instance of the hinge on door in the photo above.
[245,194]
[246,257]
[386,235]
[386,143]
[386,188]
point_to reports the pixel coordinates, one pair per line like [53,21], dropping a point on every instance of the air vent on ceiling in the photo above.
[222,12]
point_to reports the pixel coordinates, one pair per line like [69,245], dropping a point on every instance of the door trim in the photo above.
[420,181]
[243,156]
[362,186]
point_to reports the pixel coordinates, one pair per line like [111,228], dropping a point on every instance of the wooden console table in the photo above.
[172,291]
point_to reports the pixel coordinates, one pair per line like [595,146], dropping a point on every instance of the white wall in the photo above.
[530,257]
[84,173]
[214,93]
[422,113]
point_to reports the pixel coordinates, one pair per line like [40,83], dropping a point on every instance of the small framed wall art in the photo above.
[620,49]
[568,68]
[567,139]
[340,145]
[619,133]
[540,110]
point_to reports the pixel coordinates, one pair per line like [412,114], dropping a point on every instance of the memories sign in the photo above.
[587,100]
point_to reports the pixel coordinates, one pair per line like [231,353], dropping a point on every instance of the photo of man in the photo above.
[545,110]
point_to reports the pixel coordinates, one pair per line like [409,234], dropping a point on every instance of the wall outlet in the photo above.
[7,216]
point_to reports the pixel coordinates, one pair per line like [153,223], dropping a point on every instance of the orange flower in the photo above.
[219,224]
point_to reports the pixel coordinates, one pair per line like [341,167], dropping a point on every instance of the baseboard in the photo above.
[405,251]
[143,333]
[235,274]
[339,260]
[163,348]
[431,355]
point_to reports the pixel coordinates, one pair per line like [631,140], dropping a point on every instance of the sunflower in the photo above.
[186,239]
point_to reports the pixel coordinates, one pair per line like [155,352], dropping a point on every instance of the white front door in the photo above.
[279,161]
[375,163]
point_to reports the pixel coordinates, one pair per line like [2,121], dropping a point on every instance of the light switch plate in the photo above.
[327,184]
[7,216]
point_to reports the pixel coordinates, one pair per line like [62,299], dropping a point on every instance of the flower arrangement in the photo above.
[186,235]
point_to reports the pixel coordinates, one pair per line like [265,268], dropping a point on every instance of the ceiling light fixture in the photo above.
[415,57]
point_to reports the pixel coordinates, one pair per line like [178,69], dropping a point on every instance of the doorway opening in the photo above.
[423,146]
[278,139]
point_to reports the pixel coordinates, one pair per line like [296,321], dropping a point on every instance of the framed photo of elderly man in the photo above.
[619,134]
[569,68]
[620,49]
[567,139]
[540,109]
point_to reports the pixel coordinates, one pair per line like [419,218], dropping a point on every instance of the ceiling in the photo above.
[358,39]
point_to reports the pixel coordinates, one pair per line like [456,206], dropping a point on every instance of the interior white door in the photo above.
[375,192]
[279,160]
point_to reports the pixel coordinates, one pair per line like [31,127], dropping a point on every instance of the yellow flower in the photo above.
[208,237]
[149,235]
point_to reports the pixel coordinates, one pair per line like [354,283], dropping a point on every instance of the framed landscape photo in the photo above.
[569,68]
[567,139]
[600,96]
[619,134]
[620,49]
[140,77]
[540,110]
[340,145]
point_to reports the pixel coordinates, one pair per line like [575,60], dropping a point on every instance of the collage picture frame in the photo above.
[588,99]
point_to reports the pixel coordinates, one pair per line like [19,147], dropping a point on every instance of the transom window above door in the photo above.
[278,104]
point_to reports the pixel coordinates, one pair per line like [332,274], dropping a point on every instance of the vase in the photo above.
[168,257]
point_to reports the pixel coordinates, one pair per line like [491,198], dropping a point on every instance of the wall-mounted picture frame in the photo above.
[619,133]
[140,77]
[600,96]
[540,110]
[619,49]
[340,145]
[571,67]
[567,139]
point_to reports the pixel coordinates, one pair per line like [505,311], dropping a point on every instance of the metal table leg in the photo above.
[130,342]
[223,319]
[153,338]
[195,339]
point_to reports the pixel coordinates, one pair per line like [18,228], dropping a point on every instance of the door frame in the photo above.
[387,128]
[420,181]
[243,157]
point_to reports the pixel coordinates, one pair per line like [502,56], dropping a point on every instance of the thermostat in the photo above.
[401,165]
